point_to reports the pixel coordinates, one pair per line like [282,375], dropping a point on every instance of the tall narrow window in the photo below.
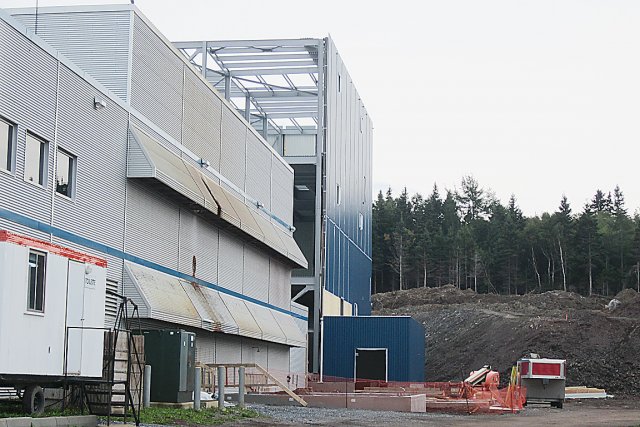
[65,173]
[35,160]
[338,195]
[360,221]
[7,145]
[37,267]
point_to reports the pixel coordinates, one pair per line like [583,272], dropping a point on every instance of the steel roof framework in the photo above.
[273,83]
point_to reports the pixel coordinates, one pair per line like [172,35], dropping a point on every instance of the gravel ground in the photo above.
[588,413]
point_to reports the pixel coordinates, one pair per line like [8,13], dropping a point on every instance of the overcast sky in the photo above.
[538,98]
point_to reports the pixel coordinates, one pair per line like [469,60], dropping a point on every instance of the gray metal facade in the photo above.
[45,93]
[300,96]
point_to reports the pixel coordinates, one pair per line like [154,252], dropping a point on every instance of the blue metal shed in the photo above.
[376,347]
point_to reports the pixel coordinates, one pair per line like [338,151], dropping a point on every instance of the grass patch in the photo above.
[189,417]
[13,409]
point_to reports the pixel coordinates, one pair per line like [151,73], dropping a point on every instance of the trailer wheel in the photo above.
[33,400]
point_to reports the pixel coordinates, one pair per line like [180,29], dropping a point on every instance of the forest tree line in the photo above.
[468,238]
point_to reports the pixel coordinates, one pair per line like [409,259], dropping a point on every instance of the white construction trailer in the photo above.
[52,302]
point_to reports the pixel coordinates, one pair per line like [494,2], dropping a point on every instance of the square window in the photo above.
[35,160]
[7,144]
[65,173]
[37,270]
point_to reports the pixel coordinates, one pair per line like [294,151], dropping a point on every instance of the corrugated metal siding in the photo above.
[228,349]
[279,284]
[202,120]
[99,144]
[200,239]
[156,80]
[256,274]
[278,362]
[97,42]
[230,262]
[28,74]
[254,351]
[258,170]
[402,336]
[349,159]
[232,158]
[152,226]
[282,191]
[298,360]
[205,347]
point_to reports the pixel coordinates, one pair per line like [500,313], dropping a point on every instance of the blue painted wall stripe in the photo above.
[74,238]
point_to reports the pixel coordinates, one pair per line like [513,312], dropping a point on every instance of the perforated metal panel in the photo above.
[198,239]
[282,192]
[205,347]
[228,348]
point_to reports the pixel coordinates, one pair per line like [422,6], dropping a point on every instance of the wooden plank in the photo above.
[282,386]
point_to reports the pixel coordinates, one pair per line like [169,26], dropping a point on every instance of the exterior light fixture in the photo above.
[292,229]
[260,204]
[99,103]
[204,163]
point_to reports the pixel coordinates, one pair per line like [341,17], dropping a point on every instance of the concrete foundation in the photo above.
[78,421]
[377,402]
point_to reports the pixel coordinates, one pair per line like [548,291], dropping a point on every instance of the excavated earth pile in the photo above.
[465,330]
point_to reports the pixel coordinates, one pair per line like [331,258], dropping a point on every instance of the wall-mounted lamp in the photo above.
[99,103]
[260,204]
[204,163]
[292,229]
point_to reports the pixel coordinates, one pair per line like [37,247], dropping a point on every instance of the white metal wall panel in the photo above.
[232,158]
[28,83]
[278,363]
[198,239]
[114,264]
[256,274]
[156,80]
[258,170]
[279,284]
[282,191]
[298,360]
[202,120]
[99,144]
[230,262]
[228,349]
[152,226]
[254,351]
[205,347]
[97,42]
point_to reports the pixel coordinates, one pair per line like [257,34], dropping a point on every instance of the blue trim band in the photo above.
[74,238]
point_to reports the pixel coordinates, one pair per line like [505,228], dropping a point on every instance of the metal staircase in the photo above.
[119,392]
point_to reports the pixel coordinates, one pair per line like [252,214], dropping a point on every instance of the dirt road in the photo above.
[588,413]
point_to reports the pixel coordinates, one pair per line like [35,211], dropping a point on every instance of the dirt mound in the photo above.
[629,303]
[465,330]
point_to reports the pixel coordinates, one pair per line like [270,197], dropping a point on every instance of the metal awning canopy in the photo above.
[273,83]
[171,299]
[148,158]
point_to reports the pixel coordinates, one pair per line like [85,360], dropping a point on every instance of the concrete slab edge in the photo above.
[71,421]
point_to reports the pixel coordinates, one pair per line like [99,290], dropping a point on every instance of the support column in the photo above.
[197,386]
[241,386]
[221,381]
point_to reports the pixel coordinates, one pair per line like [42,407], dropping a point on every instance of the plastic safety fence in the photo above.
[449,397]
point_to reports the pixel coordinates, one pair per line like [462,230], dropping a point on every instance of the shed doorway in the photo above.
[371,364]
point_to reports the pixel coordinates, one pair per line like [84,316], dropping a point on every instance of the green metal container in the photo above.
[172,356]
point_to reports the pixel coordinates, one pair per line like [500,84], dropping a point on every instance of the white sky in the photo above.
[536,98]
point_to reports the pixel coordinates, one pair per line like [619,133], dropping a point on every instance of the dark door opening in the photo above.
[371,364]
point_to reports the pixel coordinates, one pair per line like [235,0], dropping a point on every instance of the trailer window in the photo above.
[7,145]
[35,160]
[65,173]
[37,266]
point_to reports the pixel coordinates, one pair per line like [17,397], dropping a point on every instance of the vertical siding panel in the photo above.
[256,274]
[233,155]
[230,262]
[97,42]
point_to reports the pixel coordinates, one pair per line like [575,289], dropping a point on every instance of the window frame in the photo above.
[9,167]
[44,159]
[73,168]
[35,308]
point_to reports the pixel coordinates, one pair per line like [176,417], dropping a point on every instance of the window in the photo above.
[338,195]
[35,160]
[37,266]
[7,138]
[339,83]
[360,221]
[65,173]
